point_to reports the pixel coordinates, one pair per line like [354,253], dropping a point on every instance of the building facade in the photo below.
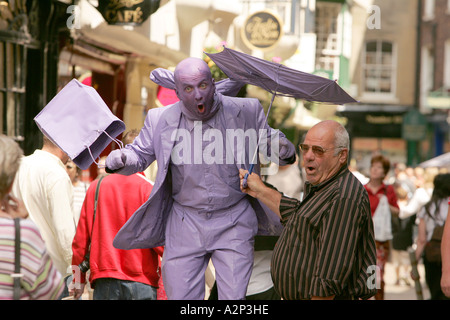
[434,22]
[383,72]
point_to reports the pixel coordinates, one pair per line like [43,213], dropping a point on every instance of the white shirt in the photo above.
[44,186]
[440,216]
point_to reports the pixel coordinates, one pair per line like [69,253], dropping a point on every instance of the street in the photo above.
[403,291]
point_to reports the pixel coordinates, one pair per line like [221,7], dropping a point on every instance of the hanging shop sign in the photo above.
[127,12]
[414,126]
[262,31]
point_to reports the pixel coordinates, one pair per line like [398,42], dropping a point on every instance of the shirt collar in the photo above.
[314,188]
[190,124]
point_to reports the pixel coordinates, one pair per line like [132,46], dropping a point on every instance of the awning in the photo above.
[442,161]
[118,41]
[104,47]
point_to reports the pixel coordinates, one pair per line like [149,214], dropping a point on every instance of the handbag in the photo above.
[433,247]
[382,224]
[80,123]
[402,232]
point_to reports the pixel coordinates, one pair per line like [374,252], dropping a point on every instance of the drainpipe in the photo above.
[412,156]
[418,55]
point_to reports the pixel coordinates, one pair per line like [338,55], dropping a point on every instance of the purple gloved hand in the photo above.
[115,160]
[287,150]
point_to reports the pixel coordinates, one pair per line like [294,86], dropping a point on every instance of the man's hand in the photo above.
[445,284]
[76,289]
[287,152]
[257,189]
[115,160]
[254,183]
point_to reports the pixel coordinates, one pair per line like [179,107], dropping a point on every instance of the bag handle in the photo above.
[117,141]
[17,275]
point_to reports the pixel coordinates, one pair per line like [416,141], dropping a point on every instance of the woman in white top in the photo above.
[432,214]
[79,187]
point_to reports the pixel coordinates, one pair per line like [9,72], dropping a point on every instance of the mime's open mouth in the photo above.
[201,108]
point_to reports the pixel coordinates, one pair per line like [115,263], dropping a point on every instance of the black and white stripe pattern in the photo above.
[327,246]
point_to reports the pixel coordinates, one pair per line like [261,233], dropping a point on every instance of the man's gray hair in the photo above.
[342,139]
[10,155]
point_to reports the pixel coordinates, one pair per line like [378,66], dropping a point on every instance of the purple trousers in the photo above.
[192,238]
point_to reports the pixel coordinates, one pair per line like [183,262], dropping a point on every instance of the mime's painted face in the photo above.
[195,88]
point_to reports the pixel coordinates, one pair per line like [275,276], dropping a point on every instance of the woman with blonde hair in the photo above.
[34,278]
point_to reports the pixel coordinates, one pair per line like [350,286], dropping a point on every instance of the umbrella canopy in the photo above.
[442,161]
[279,79]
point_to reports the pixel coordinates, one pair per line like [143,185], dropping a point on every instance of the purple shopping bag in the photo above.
[79,122]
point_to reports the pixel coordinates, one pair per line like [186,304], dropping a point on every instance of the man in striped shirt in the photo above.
[327,247]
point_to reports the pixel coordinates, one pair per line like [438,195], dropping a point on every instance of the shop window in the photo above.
[12,88]
[379,68]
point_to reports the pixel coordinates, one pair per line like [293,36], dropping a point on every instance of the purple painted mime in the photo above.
[196,208]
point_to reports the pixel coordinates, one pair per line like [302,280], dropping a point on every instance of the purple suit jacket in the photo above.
[146,228]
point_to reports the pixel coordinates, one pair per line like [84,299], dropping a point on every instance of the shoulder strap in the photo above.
[17,275]
[96,201]
[95,212]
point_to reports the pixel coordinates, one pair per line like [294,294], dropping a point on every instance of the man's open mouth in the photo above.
[201,108]
[309,169]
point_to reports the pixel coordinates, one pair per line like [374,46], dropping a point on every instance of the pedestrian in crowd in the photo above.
[402,238]
[114,274]
[445,252]
[327,248]
[202,214]
[39,279]
[433,214]
[402,179]
[421,195]
[287,179]
[45,188]
[378,192]
[79,187]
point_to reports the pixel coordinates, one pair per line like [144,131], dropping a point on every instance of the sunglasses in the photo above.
[317,150]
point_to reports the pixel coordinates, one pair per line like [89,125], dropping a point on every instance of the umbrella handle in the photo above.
[244,182]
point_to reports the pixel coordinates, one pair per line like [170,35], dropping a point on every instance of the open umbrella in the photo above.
[278,80]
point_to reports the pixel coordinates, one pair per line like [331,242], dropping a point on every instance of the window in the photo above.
[12,88]
[426,75]
[379,67]
[327,30]
[447,65]
[428,9]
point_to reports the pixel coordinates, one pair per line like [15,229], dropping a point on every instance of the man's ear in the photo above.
[343,156]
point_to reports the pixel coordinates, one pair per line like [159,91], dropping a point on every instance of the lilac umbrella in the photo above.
[278,80]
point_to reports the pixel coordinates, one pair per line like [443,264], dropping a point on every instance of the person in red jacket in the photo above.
[376,189]
[114,274]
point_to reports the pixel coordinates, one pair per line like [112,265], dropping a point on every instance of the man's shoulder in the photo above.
[350,187]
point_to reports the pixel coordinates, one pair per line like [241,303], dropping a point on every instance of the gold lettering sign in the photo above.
[127,12]
[262,30]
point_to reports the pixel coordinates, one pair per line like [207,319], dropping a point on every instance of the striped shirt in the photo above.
[327,246]
[41,280]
